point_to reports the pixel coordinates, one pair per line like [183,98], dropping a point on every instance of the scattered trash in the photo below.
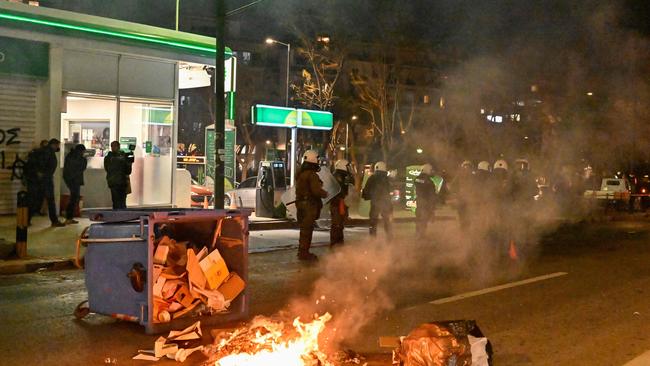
[458,343]
[166,347]
[184,278]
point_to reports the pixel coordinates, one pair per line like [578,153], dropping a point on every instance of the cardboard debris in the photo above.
[214,299]
[178,314]
[143,357]
[161,348]
[191,332]
[158,286]
[215,269]
[183,296]
[232,286]
[160,257]
[183,353]
[194,271]
[388,342]
[185,278]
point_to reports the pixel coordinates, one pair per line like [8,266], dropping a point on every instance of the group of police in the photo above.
[488,191]
[495,199]
[310,192]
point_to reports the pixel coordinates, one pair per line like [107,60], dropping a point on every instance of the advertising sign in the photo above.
[229,158]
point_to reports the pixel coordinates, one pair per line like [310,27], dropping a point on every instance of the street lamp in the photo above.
[294,130]
[288,46]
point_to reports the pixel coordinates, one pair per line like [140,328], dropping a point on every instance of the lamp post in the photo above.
[294,130]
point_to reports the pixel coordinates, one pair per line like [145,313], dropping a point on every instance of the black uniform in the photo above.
[338,209]
[118,169]
[377,190]
[309,192]
[31,179]
[46,166]
[73,176]
[465,191]
[425,197]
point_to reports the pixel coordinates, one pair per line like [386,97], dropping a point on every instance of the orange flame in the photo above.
[301,351]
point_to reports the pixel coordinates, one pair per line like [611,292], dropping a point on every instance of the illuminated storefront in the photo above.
[91,80]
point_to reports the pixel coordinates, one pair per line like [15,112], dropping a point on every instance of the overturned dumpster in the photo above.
[167,269]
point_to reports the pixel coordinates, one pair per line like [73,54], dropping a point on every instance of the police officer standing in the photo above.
[118,169]
[309,192]
[338,209]
[73,176]
[464,186]
[425,197]
[377,190]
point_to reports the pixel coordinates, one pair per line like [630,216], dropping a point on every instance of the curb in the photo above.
[286,224]
[19,266]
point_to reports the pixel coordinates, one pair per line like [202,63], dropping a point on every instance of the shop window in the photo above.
[90,120]
[150,124]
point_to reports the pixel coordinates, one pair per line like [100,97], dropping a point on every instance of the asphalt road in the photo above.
[578,296]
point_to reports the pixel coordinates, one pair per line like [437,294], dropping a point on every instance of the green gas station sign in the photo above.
[266,115]
[315,120]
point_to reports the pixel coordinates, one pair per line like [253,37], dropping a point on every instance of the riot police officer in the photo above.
[377,190]
[338,209]
[309,192]
[464,186]
[425,197]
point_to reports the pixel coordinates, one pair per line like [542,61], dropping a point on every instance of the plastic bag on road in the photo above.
[453,343]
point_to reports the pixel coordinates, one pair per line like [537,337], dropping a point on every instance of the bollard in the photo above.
[22,220]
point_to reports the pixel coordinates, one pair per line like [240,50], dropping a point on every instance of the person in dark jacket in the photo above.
[47,164]
[425,197]
[32,180]
[73,176]
[118,169]
[309,192]
[338,209]
[377,190]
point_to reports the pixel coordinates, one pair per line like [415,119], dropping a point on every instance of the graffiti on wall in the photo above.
[10,158]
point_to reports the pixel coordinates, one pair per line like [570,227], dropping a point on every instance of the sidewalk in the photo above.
[49,247]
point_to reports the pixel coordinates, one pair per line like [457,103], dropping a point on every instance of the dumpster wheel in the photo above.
[82,310]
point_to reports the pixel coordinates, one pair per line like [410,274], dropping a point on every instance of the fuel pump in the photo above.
[271,184]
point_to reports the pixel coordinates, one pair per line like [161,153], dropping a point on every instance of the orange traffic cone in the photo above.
[512,251]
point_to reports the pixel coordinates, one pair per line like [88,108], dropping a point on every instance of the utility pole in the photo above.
[220,109]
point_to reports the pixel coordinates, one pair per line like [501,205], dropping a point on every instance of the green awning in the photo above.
[36,18]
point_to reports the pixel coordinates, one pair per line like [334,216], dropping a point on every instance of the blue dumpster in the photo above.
[119,260]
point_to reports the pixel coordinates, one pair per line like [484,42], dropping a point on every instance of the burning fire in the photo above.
[270,343]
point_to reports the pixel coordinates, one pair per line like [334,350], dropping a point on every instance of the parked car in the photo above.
[244,195]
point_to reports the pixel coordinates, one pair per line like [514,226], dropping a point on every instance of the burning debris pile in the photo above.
[271,342]
[185,278]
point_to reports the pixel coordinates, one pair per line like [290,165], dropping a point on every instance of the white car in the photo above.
[617,189]
[244,195]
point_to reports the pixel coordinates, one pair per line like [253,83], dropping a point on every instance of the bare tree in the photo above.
[378,94]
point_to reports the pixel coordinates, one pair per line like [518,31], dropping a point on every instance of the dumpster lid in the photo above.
[133,214]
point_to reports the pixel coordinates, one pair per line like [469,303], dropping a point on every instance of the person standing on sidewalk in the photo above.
[338,209]
[73,176]
[32,180]
[309,192]
[377,190]
[118,169]
[48,163]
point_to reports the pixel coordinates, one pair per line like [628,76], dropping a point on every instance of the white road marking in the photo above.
[642,360]
[497,288]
